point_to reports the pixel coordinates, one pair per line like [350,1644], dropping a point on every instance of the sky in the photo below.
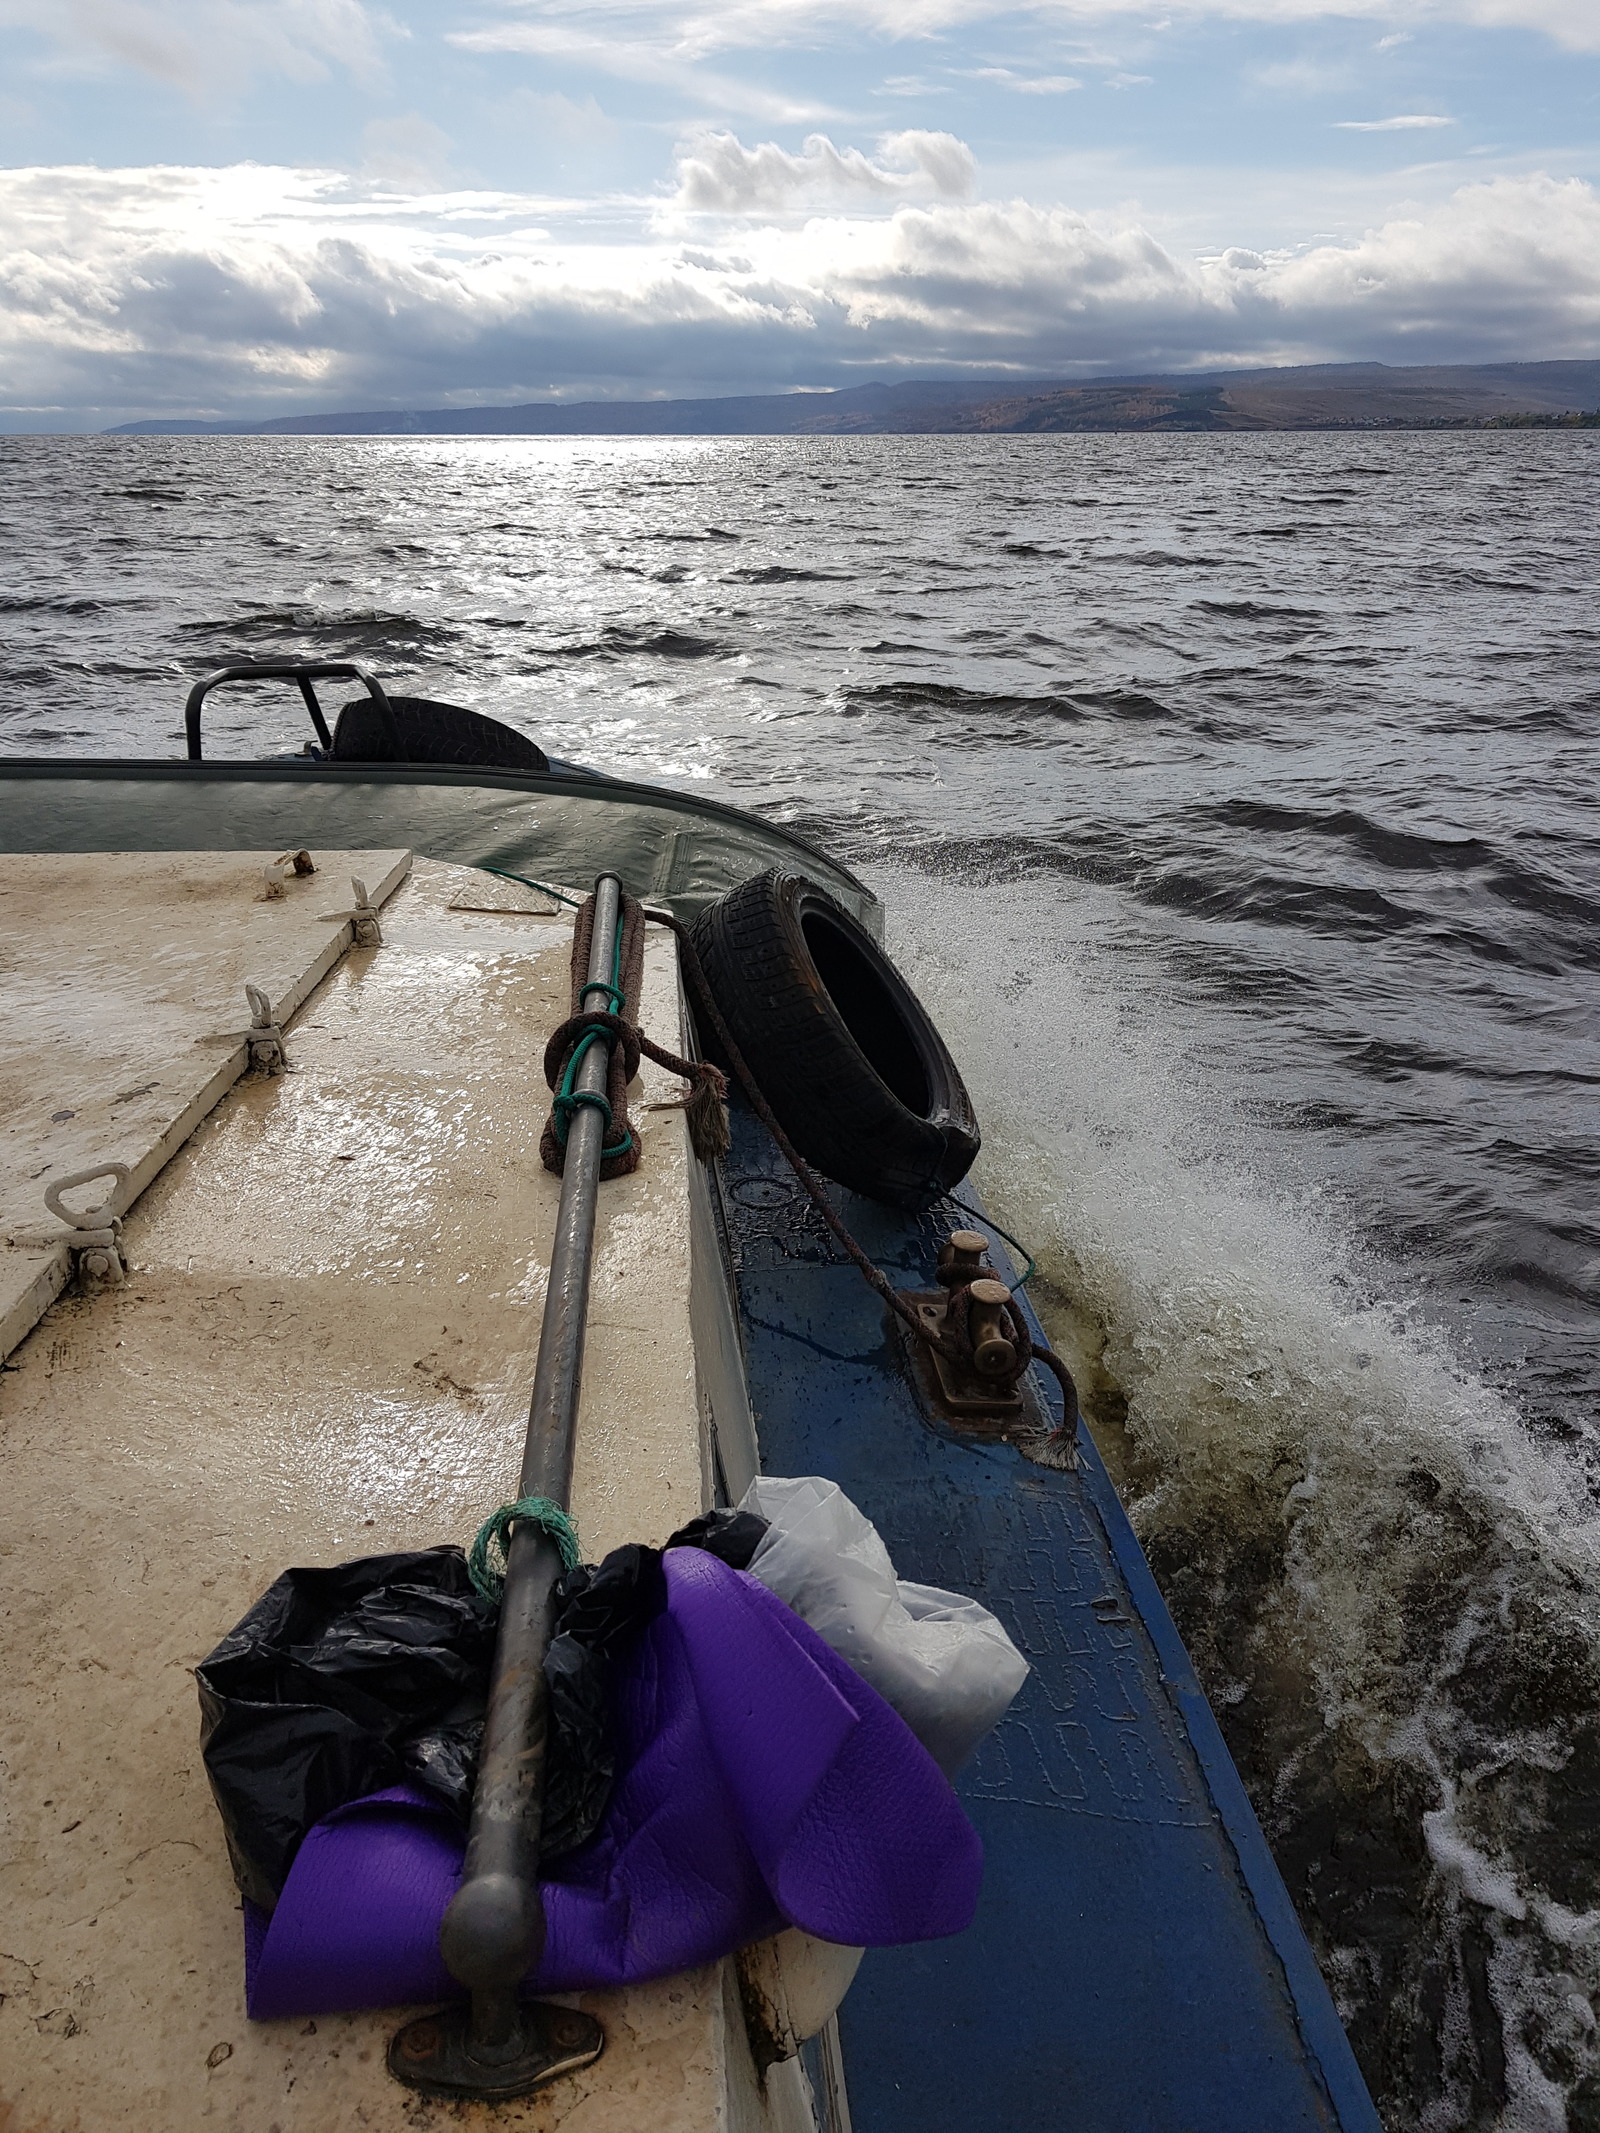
[249,208]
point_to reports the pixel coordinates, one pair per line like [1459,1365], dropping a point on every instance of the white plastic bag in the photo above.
[942,1661]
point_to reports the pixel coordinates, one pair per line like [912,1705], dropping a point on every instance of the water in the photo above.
[1234,799]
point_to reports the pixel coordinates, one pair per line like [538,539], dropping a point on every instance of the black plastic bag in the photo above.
[731,1536]
[341,1682]
[338,1683]
[598,1613]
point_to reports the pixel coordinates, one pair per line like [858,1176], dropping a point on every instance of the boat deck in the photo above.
[324,1350]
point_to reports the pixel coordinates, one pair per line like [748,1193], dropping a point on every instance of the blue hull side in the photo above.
[1136,1966]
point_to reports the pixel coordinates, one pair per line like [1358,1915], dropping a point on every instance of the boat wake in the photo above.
[1389,1584]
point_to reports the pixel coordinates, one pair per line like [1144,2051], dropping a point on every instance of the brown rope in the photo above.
[708,1085]
[1028,1351]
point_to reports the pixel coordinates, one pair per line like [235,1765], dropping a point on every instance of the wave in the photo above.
[368,628]
[1508,880]
[620,642]
[1390,1586]
[783,574]
[1387,1057]
[1403,850]
[43,682]
[946,698]
[1580,719]
[1224,889]
[68,604]
[1257,611]
[658,643]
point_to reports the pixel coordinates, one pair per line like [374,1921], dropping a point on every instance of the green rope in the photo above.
[488,1556]
[528,882]
[990,1223]
[567,1097]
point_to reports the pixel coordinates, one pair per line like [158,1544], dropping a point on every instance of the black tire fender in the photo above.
[434,733]
[839,1045]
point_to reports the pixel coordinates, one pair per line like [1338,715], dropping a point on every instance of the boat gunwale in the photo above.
[601,786]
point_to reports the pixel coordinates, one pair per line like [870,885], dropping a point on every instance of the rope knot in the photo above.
[489,1555]
[586,1025]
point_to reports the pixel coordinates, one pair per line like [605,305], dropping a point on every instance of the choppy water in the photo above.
[1235,799]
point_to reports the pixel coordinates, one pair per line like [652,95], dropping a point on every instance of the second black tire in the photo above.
[838,1043]
[434,733]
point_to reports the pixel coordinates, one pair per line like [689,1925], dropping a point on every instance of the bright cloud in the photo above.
[691,29]
[1406,124]
[251,289]
[207,44]
[717,174]
[672,61]
[207,47]
[1027,84]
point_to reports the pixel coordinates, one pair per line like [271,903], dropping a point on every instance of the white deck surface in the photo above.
[324,1350]
[122,981]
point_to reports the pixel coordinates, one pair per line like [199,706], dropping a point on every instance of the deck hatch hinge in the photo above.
[363,917]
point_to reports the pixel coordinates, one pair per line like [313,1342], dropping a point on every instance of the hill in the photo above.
[1311,397]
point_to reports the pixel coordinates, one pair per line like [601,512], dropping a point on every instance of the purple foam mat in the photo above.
[762,1783]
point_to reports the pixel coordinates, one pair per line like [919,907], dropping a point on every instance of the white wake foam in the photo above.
[1375,1551]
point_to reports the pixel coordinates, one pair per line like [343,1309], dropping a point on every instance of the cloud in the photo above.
[557,118]
[201,45]
[691,29]
[1026,84]
[212,46]
[1409,123]
[1302,77]
[669,62]
[718,175]
[256,290]
[409,151]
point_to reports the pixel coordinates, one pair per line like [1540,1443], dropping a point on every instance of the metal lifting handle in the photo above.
[305,672]
[493,1933]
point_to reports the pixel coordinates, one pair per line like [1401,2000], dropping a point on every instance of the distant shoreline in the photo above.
[1336,397]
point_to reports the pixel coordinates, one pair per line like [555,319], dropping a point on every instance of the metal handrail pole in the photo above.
[319,725]
[304,672]
[493,1932]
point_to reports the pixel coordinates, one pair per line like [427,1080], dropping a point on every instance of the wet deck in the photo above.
[324,1350]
